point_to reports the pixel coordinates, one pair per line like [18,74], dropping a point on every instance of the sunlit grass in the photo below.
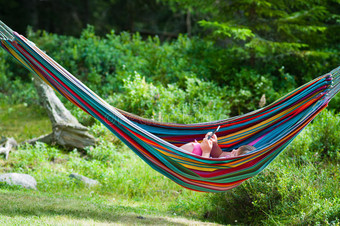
[23,122]
[32,207]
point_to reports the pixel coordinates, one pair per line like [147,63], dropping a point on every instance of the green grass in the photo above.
[129,188]
[34,207]
[23,122]
[299,187]
[123,176]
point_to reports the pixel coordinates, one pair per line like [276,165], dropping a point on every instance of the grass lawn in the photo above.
[23,122]
[33,207]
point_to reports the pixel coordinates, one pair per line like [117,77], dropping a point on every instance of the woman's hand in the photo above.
[216,150]
[213,138]
[206,147]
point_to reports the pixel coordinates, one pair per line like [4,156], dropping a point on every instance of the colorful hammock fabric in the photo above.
[269,129]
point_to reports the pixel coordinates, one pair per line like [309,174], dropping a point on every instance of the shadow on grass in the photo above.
[27,204]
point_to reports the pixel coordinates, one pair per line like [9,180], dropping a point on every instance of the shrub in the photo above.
[319,141]
[285,193]
[103,63]
[326,136]
[201,101]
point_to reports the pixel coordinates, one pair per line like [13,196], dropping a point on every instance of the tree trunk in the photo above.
[188,22]
[66,130]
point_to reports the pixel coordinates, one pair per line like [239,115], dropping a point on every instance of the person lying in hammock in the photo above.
[209,148]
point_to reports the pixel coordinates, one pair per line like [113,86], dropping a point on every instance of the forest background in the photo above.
[182,61]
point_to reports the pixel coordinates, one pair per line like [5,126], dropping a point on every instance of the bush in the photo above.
[104,63]
[286,192]
[201,101]
[12,88]
[326,136]
[319,141]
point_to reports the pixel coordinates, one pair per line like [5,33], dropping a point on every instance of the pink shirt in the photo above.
[197,149]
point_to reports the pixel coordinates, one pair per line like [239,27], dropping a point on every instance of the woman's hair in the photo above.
[245,149]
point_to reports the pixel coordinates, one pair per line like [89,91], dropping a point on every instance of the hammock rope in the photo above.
[269,129]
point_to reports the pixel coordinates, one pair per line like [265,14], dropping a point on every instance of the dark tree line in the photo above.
[70,17]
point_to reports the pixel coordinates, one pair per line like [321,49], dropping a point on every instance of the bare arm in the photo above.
[216,151]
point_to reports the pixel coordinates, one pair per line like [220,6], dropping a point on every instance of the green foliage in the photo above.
[335,103]
[222,30]
[269,25]
[246,89]
[110,164]
[201,101]
[271,34]
[12,88]
[285,193]
[105,63]
[326,136]
[320,141]
[3,77]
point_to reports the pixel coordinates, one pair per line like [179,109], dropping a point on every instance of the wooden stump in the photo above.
[66,130]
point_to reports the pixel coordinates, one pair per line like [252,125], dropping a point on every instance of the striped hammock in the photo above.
[269,129]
